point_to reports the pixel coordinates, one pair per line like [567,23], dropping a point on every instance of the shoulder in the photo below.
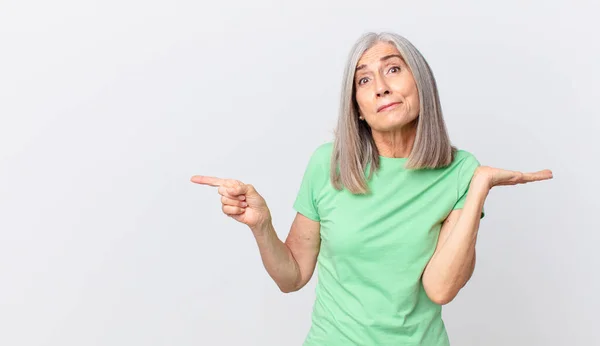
[321,155]
[464,158]
[324,150]
[320,158]
[465,164]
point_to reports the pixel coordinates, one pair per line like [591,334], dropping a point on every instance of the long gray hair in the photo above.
[354,147]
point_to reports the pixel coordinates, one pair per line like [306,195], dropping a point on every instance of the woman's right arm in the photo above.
[292,263]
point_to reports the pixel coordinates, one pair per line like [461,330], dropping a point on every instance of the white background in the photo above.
[107,108]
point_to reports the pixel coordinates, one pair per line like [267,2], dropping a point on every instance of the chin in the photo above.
[388,127]
[392,123]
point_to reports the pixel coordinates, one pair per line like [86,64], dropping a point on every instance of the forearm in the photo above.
[471,269]
[277,258]
[451,267]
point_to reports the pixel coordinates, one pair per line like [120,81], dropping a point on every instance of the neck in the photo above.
[397,143]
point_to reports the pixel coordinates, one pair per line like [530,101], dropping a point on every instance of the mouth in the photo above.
[388,106]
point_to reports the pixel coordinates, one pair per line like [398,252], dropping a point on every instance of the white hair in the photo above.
[354,147]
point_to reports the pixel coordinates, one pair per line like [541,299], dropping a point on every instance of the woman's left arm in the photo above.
[453,261]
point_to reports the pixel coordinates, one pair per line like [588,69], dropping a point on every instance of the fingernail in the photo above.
[244,204]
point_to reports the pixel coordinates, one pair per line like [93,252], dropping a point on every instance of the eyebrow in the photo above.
[382,59]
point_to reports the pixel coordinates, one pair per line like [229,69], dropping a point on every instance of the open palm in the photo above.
[499,177]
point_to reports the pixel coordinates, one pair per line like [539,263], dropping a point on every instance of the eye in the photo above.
[394,69]
[363,80]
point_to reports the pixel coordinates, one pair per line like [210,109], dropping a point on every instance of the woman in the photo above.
[389,210]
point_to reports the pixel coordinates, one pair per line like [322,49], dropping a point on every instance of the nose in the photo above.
[381,87]
[381,93]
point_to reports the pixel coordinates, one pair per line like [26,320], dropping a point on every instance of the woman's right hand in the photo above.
[239,201]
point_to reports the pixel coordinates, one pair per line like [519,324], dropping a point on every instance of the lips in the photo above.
[384,107]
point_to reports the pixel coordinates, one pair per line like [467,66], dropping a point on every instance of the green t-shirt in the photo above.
[374,249]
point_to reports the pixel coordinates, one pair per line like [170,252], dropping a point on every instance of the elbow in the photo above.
[441,299]
[440,295]
[289,288]
[284,289]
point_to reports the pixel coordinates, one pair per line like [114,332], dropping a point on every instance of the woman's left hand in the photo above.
[497,177]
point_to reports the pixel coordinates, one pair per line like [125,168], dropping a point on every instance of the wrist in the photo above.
[480,182]
[479,188]
[262,228]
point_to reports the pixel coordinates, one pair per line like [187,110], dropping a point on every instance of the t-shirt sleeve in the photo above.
[465,174]
[306,199]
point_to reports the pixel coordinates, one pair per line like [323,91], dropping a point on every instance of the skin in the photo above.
[381,79]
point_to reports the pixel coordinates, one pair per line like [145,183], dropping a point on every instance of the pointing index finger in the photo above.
[206,180]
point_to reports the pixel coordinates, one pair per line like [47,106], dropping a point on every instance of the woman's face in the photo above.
[386,91]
